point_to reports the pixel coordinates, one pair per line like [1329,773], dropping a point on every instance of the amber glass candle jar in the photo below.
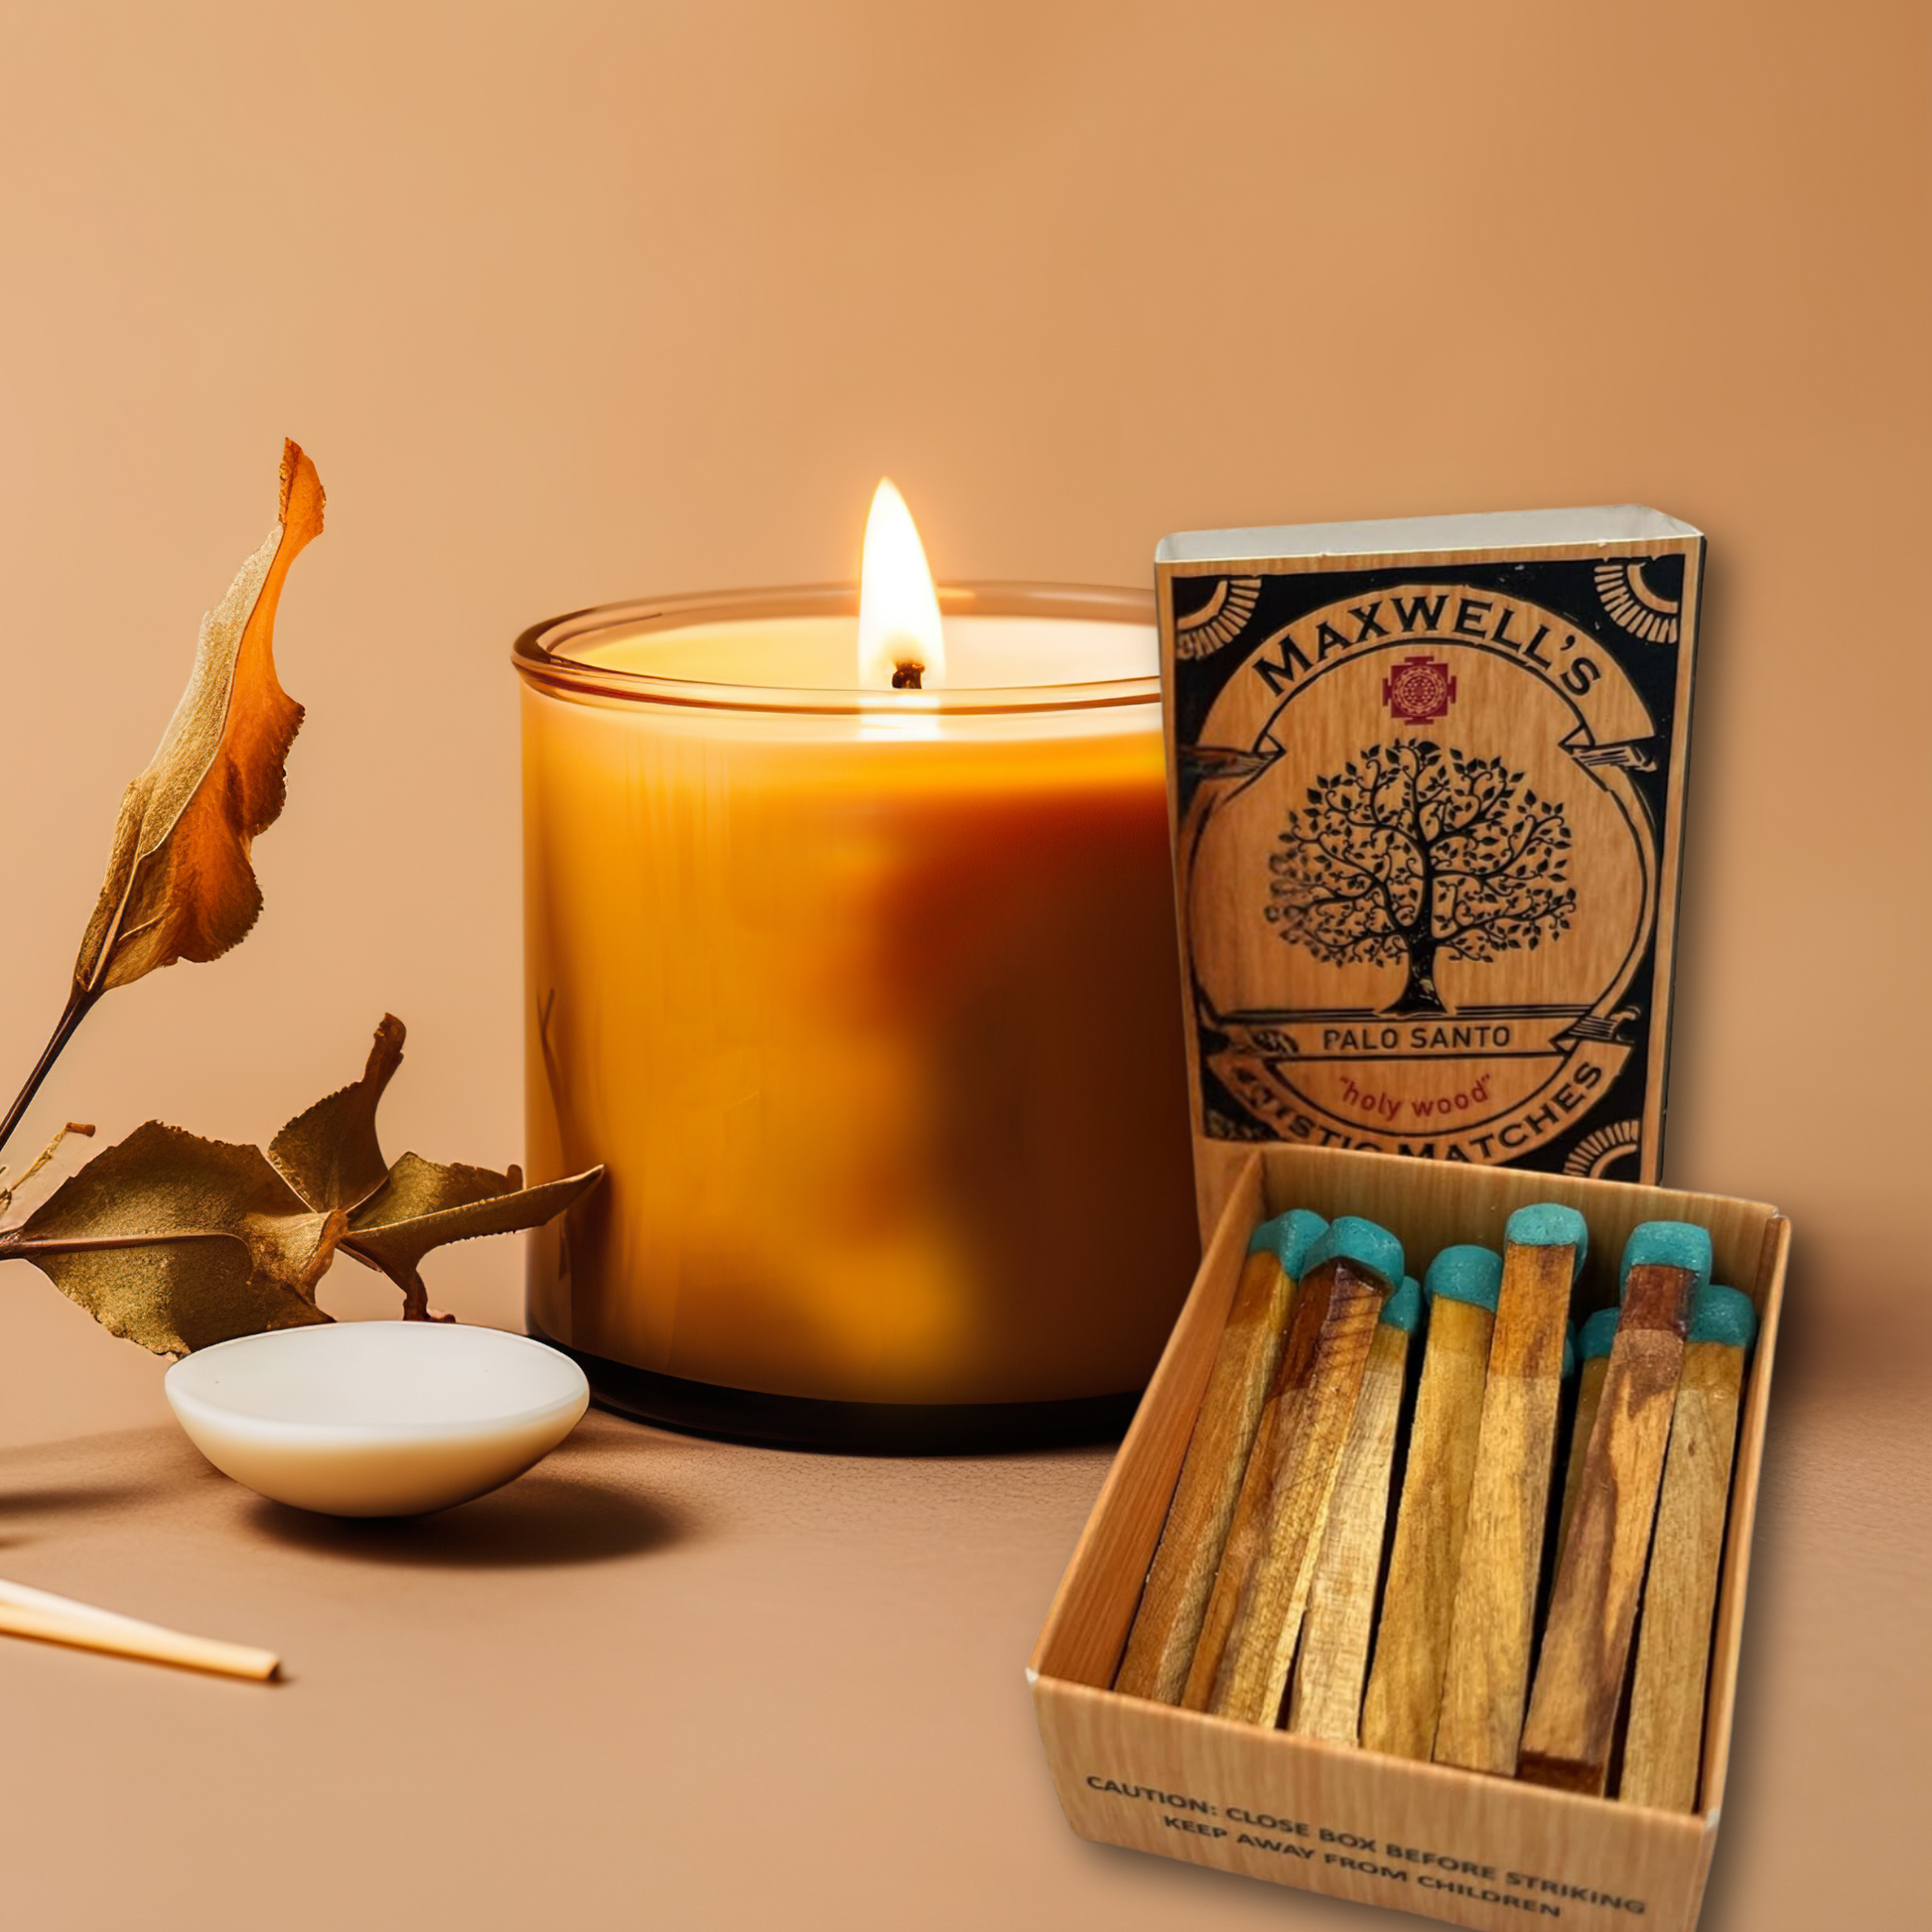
[868,1000]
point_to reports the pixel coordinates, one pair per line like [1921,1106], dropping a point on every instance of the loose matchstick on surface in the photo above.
[1586,1654]
[29,1612]
[1167,1626]
[1405,1690]
[1327,1700]
[1254,1616]
[1593,1347]
[1664,1745]
[1488,1669]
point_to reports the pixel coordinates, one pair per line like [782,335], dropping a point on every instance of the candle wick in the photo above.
[908,677]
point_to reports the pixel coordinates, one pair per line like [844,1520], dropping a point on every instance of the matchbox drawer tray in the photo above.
[1453,1845]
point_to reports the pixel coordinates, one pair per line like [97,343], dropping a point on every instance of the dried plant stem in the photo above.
[79,1003]
[10,1189]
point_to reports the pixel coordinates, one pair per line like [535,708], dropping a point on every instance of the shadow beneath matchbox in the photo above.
[540,1521]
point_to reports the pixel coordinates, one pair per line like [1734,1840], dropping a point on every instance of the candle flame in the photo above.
[901,640]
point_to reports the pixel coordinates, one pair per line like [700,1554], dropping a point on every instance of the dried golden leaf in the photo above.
[177,1242]
[178,883]
[329,1155]
[423,1205]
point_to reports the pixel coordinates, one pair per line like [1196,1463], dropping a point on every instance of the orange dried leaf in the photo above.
[180,885]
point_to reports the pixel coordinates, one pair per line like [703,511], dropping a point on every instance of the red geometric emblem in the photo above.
[1419,691]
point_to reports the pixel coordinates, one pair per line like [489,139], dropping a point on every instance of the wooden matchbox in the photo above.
[1426,782]
[1453,1845]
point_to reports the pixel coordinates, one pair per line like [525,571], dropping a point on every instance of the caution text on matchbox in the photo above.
[1420,1867]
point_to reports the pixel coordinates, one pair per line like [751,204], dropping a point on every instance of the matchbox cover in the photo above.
[1427,784]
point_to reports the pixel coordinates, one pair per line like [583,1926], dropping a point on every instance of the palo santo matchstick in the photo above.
[1580,1675]
[1239,1550]
[1491,1627]
[1405,1690]
[29,1612]
[1664,1744]
[1565,1408]
[1242,1544]
[1598,1333]
[1167,1624]
[1254,1616]
[1327,1697]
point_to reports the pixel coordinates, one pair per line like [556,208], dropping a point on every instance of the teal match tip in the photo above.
[1599,1334]
[1668,1244]
[1549,1226]
[1403,1309]
[1350,1238]
[1721,1314]
[1291,1236]
[1472,1275]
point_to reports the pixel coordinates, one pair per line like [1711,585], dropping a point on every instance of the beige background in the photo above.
[578,301]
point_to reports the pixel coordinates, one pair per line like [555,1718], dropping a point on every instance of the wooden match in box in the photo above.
[1580,1673]
[1254,1617]
[1487,1671]
[1327,1700]
[1664,1744]
[1168,1625]
[1405,1689]
[1594,1351]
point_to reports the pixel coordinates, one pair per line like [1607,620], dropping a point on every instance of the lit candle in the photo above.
[850,951]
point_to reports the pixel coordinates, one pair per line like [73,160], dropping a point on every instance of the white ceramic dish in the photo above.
[377,1418]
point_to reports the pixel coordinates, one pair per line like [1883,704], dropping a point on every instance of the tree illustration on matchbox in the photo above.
[1411,853]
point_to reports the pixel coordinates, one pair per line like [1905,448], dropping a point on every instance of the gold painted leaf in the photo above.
[329,1155]
[177,1242]
[424,1205]
[179,883]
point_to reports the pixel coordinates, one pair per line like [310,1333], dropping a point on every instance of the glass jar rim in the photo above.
[542,653]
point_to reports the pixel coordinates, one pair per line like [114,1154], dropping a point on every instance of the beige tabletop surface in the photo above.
[671,1682]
